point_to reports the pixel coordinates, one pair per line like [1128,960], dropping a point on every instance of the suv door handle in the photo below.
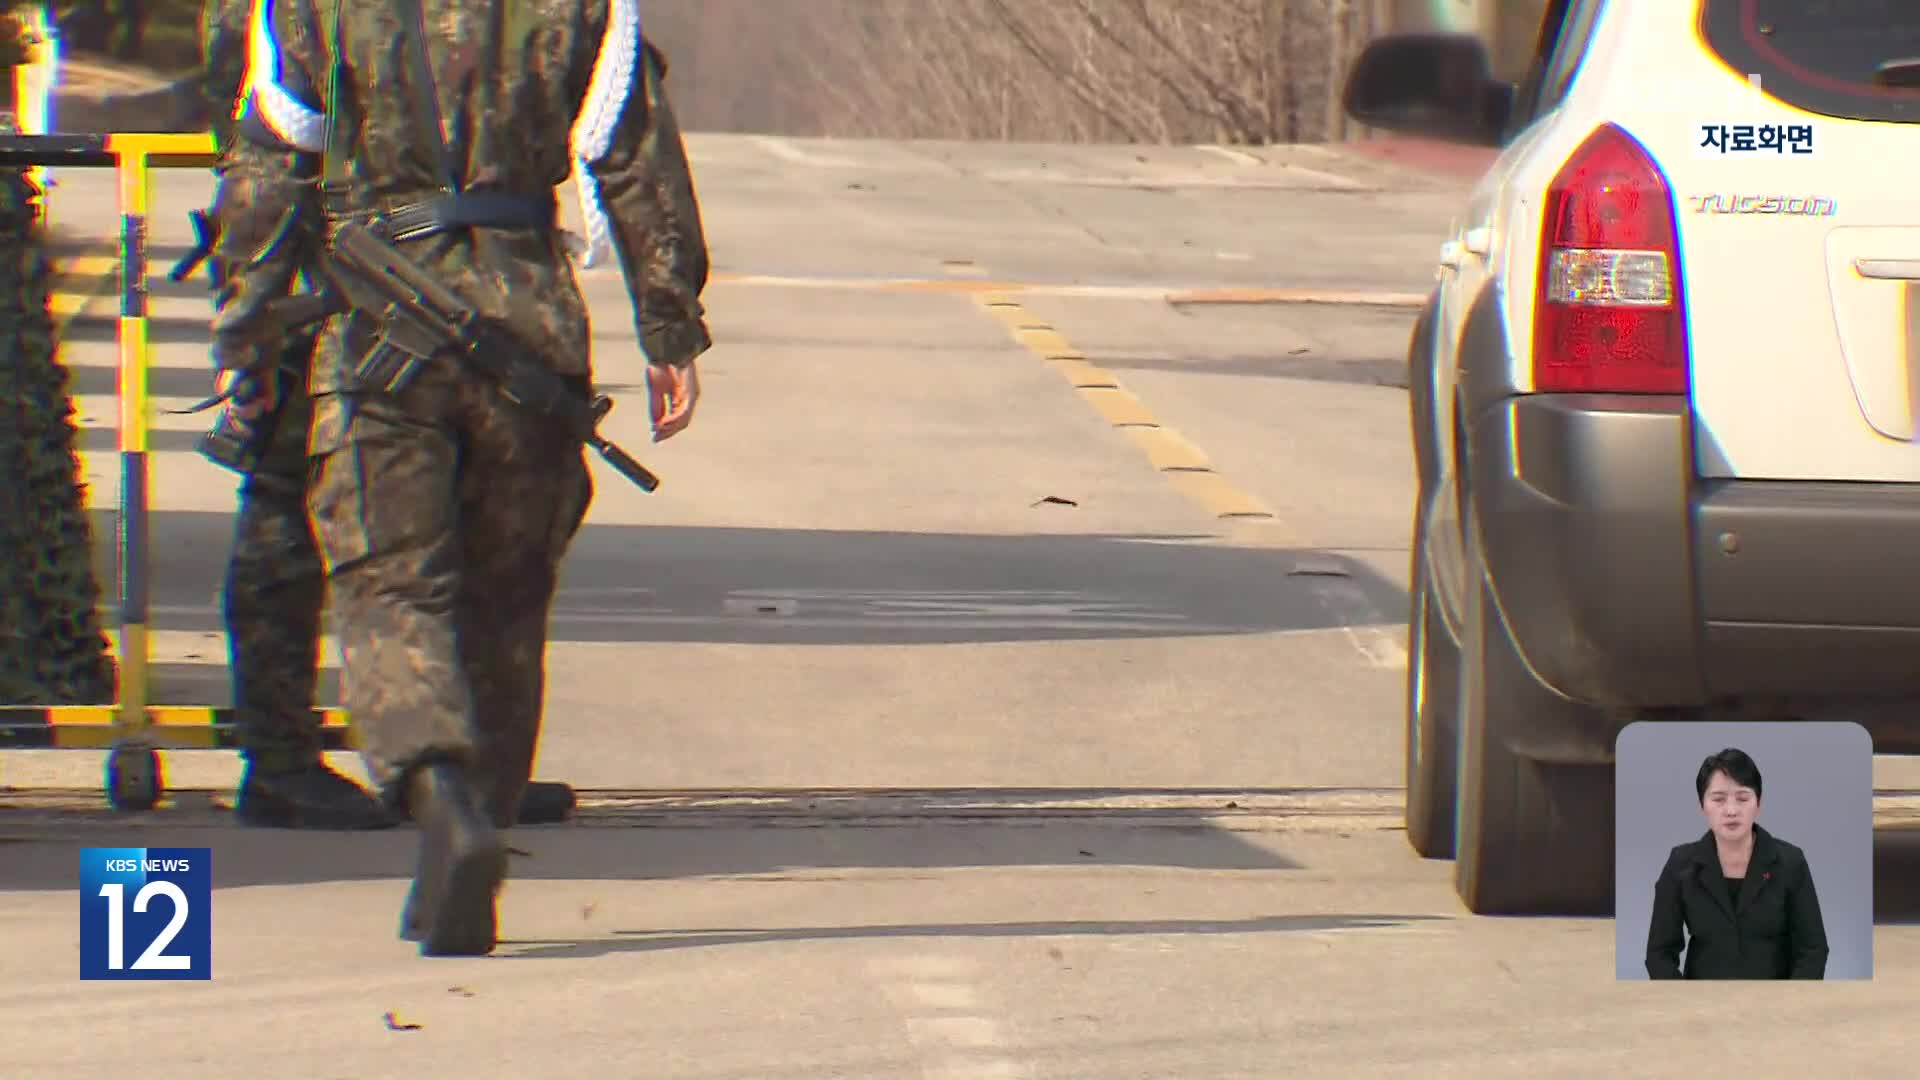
[1476,241]
[1888,269]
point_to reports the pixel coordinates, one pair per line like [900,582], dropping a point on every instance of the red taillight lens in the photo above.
[1607,311]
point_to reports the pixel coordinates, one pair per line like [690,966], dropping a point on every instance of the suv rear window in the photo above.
[1858,59]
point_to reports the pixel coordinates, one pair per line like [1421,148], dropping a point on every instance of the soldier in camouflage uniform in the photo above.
[443,510]
[275,588]
[276,583]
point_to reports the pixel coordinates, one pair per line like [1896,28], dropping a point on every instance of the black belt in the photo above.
[468,210]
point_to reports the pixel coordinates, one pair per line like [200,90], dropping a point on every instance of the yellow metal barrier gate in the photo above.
[134,729]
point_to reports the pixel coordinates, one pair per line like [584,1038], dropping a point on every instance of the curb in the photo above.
[1428,157]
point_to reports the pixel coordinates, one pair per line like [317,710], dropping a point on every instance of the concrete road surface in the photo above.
[1005,683]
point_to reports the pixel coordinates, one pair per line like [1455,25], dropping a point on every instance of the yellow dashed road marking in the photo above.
[1217,493]
[1166,450]
[1047,342]
[1246,519]
[1184,465]
[1086,376]
[1119,407]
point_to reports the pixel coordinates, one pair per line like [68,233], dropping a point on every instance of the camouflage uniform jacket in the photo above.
[223,55]
[225,26]
[511,84]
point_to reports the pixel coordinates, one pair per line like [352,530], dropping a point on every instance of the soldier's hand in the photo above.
[672,392]
[253,399]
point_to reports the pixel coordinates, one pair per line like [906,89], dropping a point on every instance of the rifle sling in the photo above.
[426,94]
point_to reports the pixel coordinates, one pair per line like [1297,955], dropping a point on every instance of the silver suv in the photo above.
[1666,409]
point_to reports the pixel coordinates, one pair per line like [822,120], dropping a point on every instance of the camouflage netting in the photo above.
[52,650]
[13,39]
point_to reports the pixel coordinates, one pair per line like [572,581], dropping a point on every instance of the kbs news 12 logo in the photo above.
[146,913]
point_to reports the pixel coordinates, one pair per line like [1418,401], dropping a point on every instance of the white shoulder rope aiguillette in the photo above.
[606,101]
[299,126]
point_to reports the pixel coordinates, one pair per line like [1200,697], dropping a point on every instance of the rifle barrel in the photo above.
[623,462]
[381,280]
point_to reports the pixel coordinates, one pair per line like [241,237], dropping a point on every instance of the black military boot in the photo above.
[546,802]
[463,861]
[309,797]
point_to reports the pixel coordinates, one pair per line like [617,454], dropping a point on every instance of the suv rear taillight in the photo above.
[1607,311]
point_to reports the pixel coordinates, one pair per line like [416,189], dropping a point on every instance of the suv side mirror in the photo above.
[1436,85]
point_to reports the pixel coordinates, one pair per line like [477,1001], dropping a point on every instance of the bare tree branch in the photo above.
[1225,105]
[1023,36]
[1044,70]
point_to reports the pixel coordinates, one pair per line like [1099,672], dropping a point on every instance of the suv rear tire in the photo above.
[1533,838]
[1433,699]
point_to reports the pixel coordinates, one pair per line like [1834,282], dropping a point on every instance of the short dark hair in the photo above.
[1736,764]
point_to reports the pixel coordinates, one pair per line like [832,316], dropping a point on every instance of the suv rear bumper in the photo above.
[1626,581]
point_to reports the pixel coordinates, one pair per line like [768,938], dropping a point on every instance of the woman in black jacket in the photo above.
[1744,897]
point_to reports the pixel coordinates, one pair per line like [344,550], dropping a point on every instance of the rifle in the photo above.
[205,235]
[419,320]
[236,442]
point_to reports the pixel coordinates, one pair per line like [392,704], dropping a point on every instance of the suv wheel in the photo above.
[1433,680]
[1532,838]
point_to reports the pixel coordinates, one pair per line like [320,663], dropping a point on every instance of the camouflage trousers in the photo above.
[275,590]
[443,513]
